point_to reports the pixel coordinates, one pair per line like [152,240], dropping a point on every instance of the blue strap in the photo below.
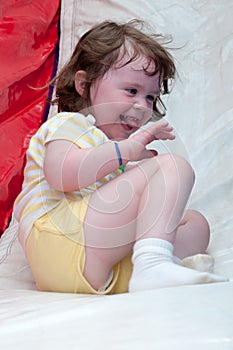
[121,166]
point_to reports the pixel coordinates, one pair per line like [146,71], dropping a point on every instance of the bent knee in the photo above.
[176,164]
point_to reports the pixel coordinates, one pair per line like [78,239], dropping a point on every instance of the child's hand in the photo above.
[139,141]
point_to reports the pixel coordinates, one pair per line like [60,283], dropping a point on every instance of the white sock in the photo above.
[153,267]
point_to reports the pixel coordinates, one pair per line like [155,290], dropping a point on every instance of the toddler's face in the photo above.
[122,99]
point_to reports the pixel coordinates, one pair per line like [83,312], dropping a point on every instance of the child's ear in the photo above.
[80,81]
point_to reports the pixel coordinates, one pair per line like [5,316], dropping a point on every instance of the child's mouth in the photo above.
[126,126]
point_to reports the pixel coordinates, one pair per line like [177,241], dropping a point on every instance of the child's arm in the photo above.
[69,168]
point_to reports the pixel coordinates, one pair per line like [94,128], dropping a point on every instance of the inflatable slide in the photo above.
[37,37]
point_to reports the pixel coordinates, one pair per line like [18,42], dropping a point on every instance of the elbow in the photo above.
[60,179]
[53,178]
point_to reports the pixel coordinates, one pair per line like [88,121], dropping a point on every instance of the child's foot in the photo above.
[199,262]
[153,268]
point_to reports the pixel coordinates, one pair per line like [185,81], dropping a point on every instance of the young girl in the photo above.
[88,222]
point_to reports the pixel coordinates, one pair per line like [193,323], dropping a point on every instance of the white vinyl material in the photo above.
[200,109]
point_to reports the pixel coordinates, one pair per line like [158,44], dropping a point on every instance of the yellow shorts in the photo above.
[55,250]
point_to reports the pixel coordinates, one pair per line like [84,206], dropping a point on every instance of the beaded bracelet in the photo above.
[121,166]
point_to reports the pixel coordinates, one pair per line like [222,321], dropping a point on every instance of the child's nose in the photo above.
[140,105]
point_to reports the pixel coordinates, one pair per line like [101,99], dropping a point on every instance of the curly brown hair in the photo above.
[99,49]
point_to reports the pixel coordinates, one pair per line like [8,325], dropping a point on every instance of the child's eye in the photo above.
[132,91]
[150,98]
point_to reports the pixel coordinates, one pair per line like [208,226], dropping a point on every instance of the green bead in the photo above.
[122,168]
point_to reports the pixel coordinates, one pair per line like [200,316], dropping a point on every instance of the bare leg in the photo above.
[138,204]
[192,236]
[147,202]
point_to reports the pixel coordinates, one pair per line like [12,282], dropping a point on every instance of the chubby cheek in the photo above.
[99,108]
[146,118]
[100,91]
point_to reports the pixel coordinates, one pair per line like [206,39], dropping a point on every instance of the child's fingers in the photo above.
[160,133]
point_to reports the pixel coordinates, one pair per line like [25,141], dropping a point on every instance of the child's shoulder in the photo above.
[73,123]
[75,117]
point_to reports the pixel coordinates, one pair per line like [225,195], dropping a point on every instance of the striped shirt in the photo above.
[37,196]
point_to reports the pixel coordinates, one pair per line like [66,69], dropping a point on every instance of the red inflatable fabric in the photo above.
[28,42]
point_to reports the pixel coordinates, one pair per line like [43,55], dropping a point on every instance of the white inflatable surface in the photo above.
[201,110]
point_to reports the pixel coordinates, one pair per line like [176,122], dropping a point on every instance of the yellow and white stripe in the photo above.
[37,197]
